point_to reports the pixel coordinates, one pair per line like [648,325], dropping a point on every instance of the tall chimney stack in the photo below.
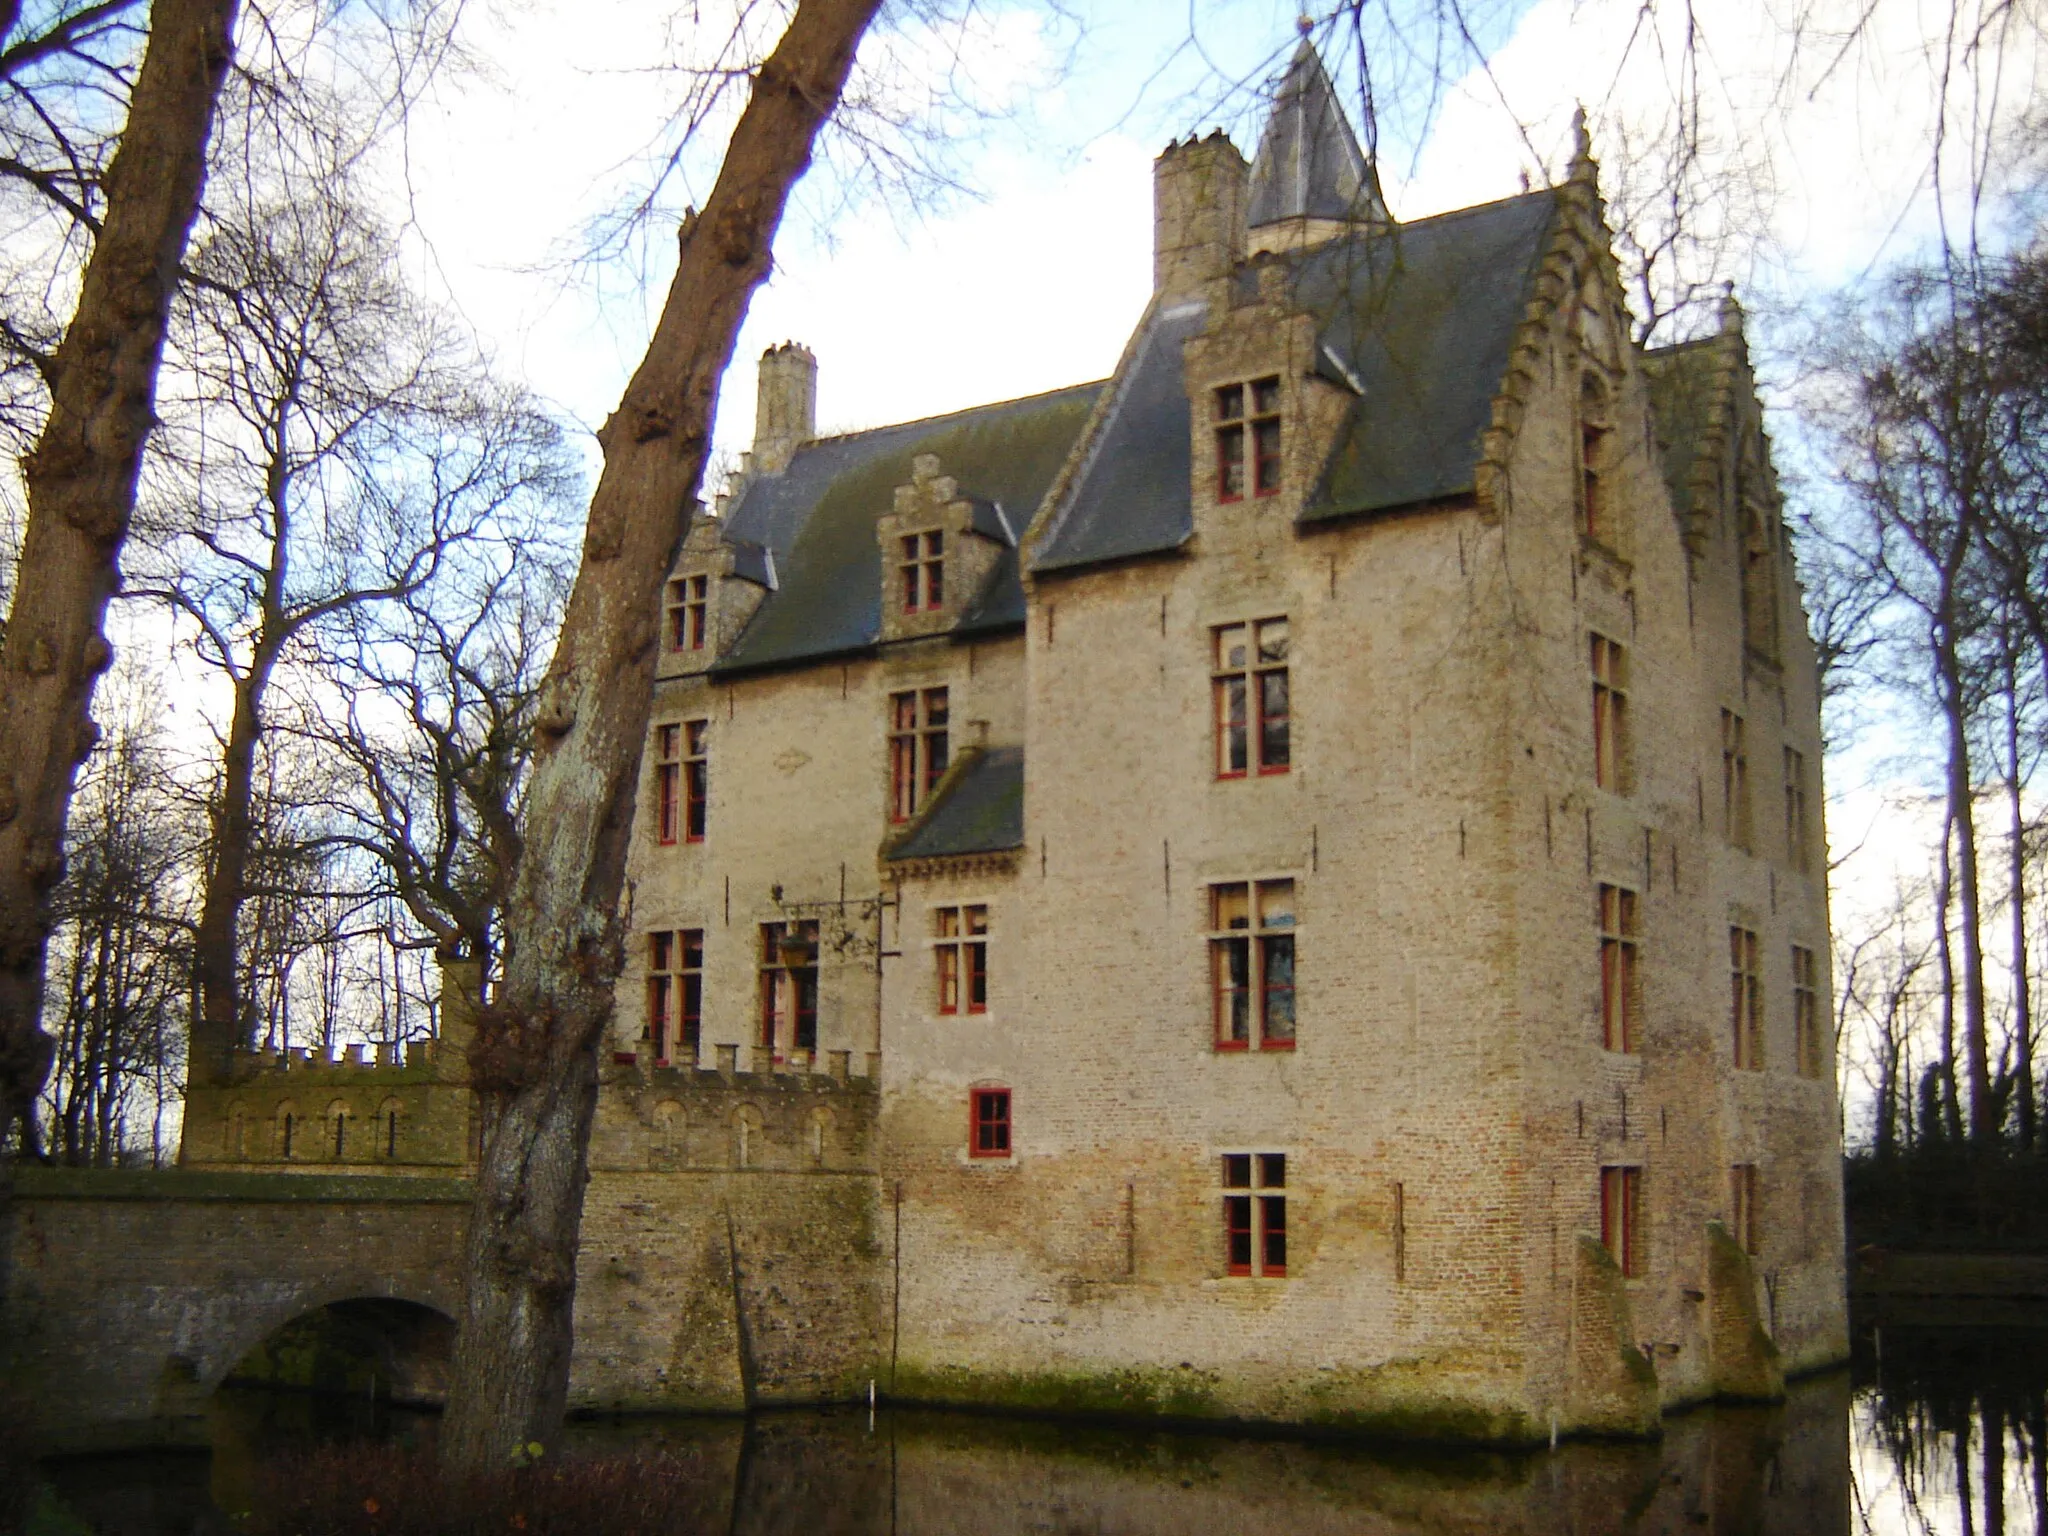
[786,406]
[1198,212]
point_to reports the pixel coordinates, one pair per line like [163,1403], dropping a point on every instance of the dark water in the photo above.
[1932,1432]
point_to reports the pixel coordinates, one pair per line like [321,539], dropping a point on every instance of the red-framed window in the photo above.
[1255,1213]
[1742,1206]
[1248,674]
[689,606]
[1248,439]
[1621,1218]
[675,995]
[1745,1000]
[789,988]
[960,951]
[1618,940]
[918,748]
[1251,964]
[1735,778]
[1610,713]
[696,779]
[668,770]
[923,572]
[1596,517]
[1806,1011]
[988,1125]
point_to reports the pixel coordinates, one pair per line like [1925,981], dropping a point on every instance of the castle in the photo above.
[1285,884]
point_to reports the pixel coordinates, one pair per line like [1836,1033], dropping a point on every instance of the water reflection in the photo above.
[1877,1453]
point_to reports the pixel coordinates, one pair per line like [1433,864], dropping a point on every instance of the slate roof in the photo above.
[816,521]
[1309,164]
[1417,321]
[982,810]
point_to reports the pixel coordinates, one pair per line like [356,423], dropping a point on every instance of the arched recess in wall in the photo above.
[666,1145]
[820,1142]
[285,1133]
[386,1130]
[746,1137]
[336,1123]
[236,1144]
[1599,515]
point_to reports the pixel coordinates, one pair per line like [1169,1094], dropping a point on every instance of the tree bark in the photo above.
[216,949]
[535,1059]
[81,495]
[1962,811]
[2016,877]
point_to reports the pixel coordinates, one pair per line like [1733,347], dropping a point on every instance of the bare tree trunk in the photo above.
[535,1059]
[81,495]
[1947,1106]
[220,1026]
[1969,908]
[2016,874]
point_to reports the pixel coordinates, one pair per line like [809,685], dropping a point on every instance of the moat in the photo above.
[1925,1420]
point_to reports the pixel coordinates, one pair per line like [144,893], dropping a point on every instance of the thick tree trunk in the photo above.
[535,1061]
[81,495]
[219,1027]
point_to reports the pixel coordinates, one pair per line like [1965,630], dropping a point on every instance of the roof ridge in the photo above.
[965,410]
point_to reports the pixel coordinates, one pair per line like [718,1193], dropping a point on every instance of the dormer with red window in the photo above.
[711,593]
[938,547]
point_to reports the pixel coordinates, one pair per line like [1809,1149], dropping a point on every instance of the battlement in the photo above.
[413,1060]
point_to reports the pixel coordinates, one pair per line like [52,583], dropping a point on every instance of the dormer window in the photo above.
[1248,440]
[688,610]
[923,569]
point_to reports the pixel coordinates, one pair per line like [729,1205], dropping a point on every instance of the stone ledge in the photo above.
[36,1183]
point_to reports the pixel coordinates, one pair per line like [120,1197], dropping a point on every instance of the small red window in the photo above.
[923,569]
[1621,1218]
[919,748]
[1255,1222]
[667,780]
[989,1132]
[696,780]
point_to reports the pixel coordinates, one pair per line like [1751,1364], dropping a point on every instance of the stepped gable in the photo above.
[1309,165]
[1693,404]
[979,810]
[816,519]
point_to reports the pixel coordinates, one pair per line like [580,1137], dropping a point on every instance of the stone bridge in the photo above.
[127,1295]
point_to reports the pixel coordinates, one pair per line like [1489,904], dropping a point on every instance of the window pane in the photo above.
[1231,961]
[1273,1234]
[1266,396]
[1229,907]
[1230,402]
[935,707]
[1231,737]
[693,949]
[949,979]
[1237,1227]
[1237,1170]
[949,921]
[1277,1011]
[904,708]
[1272,641]
[977,919]
[1230,652]
[1230,462]
[660,946]
[977,978]
[1273,727]
[1276,903]
[1272,1170]
[1266,457]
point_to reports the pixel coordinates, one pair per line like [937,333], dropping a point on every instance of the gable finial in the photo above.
[1304,24]
[1582,168]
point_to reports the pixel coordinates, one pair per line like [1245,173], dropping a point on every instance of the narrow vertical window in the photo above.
[390,1118]
[1596,516]
[1735,778]
[1265,436]
[1618,941]
[1255,1213]
[1230,423]
[923,572]
[1251,964]
[1610,714]
[696,779]
[1805,1012]
[961,951]
[675,995]
[789,988]
[1746,997]
[1742,1206]
[667,781]
[1253,716]
[1797,839]
[661,995]
[919,748]
[689,607]
[989,1123]
[1621,1218]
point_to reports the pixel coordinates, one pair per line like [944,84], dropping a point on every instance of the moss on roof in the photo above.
[982,810]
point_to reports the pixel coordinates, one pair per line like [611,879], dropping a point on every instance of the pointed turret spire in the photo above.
[1310,169]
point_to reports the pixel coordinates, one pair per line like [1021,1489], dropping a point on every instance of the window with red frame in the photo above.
[668,769]
[1618,968]
[689,613]
[1248,441]
[961,948]
[918,748]
[923,569]
[1610,714]
[988,1132]
[696,779]
[1255,1213]
[675,995]
[1621,1218]
[1745,999]
[789,988]
[1249,679]
[1742,1206]
[1251,964]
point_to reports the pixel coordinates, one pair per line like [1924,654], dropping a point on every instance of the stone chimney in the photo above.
[1198,206]
[461,1000]
[786,406]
